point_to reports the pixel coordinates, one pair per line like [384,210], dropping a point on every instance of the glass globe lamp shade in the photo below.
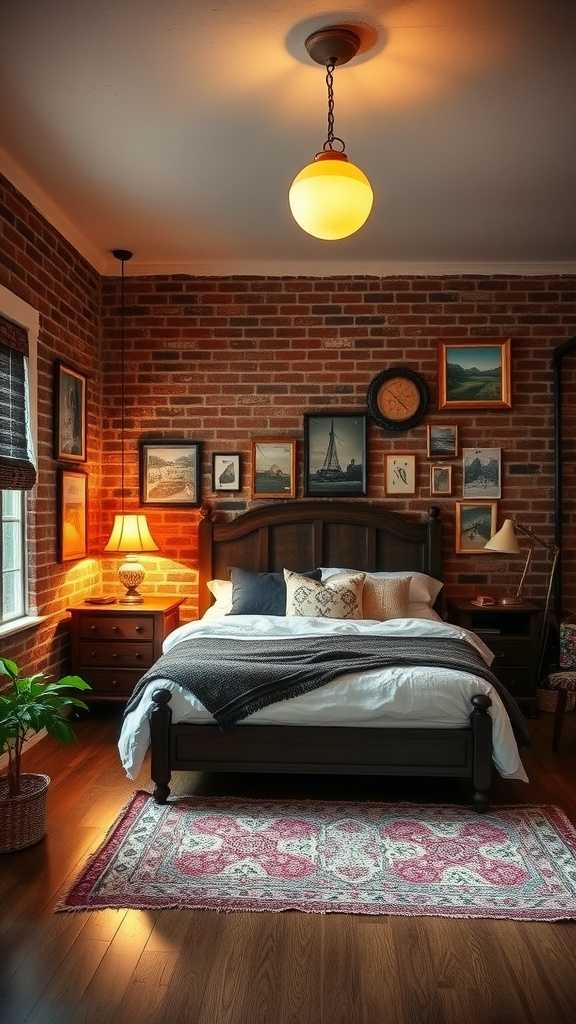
[331,198]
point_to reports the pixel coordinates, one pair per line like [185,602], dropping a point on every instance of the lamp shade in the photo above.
[331,198]
[131,533]
[504,541]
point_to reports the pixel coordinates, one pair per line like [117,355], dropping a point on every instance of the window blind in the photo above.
[17,470]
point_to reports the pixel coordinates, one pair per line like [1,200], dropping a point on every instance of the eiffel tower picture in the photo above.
[335,450]
[331,468]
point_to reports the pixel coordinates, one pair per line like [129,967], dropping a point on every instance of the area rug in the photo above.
[329,857]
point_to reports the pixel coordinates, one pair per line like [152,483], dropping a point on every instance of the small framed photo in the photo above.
[440,481]
[335,463]
[481,472]
[170,473]
[273,467]
[400,474]
[475,374]
[72,513]
[475,525]
[226,471]
[442,441]
[69,413]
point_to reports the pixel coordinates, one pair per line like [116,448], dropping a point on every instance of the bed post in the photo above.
[205,530]
[160,720]
[482,751]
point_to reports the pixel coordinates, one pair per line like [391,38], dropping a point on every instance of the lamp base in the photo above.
[510,601]
[131,575]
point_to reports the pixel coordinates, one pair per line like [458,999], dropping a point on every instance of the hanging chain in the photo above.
[331,138]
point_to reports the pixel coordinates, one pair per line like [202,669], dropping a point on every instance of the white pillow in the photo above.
[222,591]
[423,589]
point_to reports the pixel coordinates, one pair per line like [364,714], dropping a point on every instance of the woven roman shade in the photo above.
[17,472]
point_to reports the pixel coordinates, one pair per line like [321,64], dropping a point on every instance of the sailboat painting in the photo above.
[273,467]
[335,455]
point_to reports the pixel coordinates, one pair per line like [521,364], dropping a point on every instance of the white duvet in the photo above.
[398,697]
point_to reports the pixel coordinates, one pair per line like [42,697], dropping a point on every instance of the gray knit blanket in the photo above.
[235,678]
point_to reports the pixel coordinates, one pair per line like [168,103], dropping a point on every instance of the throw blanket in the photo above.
[235,678]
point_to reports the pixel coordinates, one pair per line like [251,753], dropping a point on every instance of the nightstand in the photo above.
[512,632]
[114,644]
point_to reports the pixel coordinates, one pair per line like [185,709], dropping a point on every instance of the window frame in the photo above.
[22,313]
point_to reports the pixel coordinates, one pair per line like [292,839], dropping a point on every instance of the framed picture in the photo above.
[475,374]
[481,472]
[442,440]
[440,481]
[475,524]
[69,414]
[400,474]
[273,467]
[170,473]
[335,455]
[72,512]
[226,471]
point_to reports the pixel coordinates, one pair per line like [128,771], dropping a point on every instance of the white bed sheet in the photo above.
[398,697]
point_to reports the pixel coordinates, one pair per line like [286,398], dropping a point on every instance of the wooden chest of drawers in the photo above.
[512,632]
[114,644]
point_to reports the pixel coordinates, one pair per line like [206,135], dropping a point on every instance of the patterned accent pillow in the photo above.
[383,599]
[336,599]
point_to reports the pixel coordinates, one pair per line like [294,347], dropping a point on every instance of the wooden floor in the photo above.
[291,968]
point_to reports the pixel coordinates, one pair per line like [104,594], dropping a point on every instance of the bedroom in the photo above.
[231,394]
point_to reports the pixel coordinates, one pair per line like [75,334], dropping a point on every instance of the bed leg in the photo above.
[482,751]
[160,720]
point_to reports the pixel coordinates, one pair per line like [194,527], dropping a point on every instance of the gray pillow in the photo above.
[261,593]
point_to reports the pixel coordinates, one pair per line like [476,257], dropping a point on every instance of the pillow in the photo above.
[261,593]
[336,599]
[423,588]
[385,599]
[222,591]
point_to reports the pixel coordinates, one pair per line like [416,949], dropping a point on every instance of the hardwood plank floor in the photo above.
[208,968]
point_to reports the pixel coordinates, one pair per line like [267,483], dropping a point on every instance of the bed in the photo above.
[320,732]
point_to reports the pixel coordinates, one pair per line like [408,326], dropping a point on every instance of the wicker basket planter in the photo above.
[23,818]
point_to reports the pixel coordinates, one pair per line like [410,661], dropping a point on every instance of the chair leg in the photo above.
[559,718]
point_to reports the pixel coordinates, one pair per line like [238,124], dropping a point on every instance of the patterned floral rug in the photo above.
[319,857]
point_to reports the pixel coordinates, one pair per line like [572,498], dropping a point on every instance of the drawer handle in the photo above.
[93,628]
[138,629]
[115,629]
[138,656]
[92,654]
[114,682]
[114,657]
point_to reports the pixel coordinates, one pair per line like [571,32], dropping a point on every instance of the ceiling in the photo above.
[175,128]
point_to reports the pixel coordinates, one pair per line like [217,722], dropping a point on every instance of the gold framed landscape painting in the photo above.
[273,467]
[72,514]
[475,374]
[475,525]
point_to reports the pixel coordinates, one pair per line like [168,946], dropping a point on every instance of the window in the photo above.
[12,556]
[19,326]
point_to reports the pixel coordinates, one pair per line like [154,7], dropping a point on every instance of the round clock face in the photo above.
[398,399]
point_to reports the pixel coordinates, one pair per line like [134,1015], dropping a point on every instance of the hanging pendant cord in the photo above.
[331,138]
[122,386]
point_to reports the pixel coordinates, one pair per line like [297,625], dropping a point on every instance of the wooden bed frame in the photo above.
[301,535]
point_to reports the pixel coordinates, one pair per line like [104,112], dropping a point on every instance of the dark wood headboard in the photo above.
[302,535]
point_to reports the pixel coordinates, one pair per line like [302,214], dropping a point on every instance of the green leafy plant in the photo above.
[29,705]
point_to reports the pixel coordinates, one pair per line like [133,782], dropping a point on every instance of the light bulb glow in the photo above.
[331,198]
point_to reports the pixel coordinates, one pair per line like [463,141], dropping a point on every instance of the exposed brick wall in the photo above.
[41,267]
[221,360]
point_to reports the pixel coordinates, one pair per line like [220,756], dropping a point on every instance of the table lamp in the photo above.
[131,535]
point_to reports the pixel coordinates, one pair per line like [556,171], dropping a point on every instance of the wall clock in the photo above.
[398,399]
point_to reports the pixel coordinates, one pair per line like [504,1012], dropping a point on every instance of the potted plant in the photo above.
[28,705]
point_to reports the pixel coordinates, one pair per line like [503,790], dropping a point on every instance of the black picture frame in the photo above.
[339,486]
[237,456]
[61,422]
[170,443]
[63,552]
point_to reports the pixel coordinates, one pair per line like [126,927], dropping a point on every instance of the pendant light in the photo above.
[130,533]
[331,198]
